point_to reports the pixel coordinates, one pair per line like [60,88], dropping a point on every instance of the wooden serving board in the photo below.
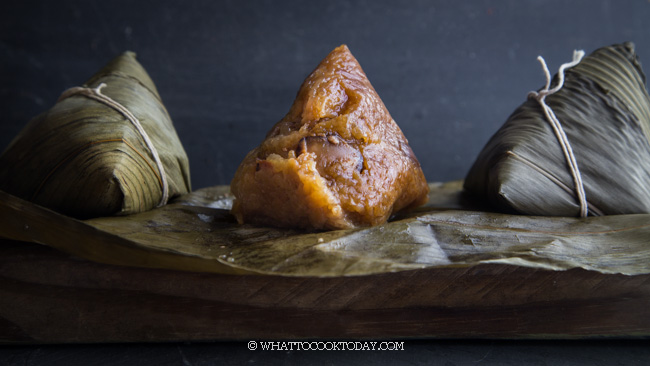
[47,296]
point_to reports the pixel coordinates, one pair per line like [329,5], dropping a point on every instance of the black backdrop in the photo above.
[450,72]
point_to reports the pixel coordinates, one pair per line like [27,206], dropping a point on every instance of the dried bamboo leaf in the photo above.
[604,109]
[85,159]
[197,233]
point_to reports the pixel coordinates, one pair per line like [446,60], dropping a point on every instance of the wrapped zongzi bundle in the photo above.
[601,166]
[336,160]
[103,149]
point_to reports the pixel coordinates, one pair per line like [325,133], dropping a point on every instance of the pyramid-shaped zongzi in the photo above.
[336,160]
[604,110]
[106,148]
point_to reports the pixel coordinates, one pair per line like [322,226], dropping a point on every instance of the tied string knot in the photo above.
[96,94]
[557,127]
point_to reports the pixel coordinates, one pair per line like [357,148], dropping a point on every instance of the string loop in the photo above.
[96,94]
[557,126]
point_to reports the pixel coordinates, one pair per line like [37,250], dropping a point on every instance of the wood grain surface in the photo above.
[47,296]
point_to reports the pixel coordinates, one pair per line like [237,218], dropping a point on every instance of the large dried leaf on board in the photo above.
[85,159]
[604,110]
[197,233]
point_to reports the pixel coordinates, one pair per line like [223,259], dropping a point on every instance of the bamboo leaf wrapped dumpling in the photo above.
[87,156]
[336,160]
[604,110]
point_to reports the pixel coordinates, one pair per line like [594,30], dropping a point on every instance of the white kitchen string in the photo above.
[96,94]
[557,127]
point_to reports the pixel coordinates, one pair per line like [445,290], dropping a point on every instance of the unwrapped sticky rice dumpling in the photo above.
[336,160]
[604,110]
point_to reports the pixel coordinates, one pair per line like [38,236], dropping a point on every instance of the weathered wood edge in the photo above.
[50,297]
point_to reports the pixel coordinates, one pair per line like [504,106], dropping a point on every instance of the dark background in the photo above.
[450,73]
